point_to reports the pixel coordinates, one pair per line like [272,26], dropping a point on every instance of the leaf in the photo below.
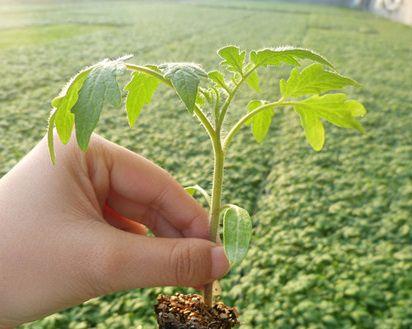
[313,80]
[190,190]
[261,121]
[237,231]
[140,92]
[218,78]
[185,78]
[285,55]
[50,136]
[253,79]
[196,188]
[233,58]
[335,108]
[99,87]
[314,130]
[64,118]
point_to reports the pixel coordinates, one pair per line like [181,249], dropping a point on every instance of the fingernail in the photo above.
[220,264]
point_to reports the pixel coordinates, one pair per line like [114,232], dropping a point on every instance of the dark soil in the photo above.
[190,312]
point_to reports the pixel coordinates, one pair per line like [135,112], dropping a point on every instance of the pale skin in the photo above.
[77,230]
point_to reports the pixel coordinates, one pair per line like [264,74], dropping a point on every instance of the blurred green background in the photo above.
[332,242]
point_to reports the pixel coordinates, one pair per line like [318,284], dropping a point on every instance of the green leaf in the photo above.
[313,80]
[261,121]
[335,108]
[285,55]
[50,136]
[185,78]
[218,78]
[196,188]
[140,92]
[99,87]
[233,58]
[237,231]
[314,130]
[253,79]
[64,118]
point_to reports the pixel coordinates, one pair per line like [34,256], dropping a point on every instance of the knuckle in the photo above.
[189,261]
[182,260]
[161,196]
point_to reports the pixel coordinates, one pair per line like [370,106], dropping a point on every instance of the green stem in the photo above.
[215,206]
[229,99]
[206,123]
[216,200]
[218,169]
[215,203]
[216,109]
[149,71]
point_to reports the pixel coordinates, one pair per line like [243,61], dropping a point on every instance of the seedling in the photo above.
[207,97]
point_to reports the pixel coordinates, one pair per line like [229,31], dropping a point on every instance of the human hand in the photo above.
[58,241]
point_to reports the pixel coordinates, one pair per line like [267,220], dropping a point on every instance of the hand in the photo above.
[77,230]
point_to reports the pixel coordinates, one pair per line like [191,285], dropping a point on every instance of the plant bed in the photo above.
[190,312]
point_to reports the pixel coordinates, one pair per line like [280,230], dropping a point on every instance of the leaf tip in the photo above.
[125,57]
[131,124]
[317,148]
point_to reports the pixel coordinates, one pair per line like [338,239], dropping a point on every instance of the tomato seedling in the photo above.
[208,96]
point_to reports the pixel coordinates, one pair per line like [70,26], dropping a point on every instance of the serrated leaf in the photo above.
[99,87]
[313,80]
[185,78]
[50,136]
[237,231]
[218,78]
[260,122]
[64,118]
[196,188]
[253,79]
[285,55]
[140,92]
[335,108]
[233,58]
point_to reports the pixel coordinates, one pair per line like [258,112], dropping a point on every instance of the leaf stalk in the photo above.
[232,93]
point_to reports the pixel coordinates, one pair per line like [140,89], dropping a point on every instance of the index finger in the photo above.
[143,183]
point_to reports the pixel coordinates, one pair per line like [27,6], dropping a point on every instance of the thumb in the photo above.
[132,261]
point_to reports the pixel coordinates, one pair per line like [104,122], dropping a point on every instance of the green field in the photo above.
[332,243]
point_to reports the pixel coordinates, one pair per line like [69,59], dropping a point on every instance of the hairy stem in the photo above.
[218,168]
[215,206]
[232,93]
[149,71]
